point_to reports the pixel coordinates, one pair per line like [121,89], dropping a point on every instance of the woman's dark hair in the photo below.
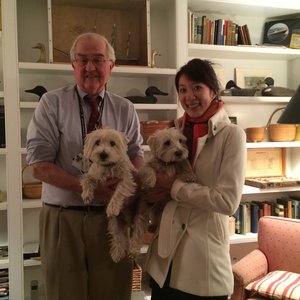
[199,70]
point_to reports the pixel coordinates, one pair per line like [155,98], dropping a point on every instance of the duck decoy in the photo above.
[276,91]
[150,98]
[38,90]
[232,89]
[42,49]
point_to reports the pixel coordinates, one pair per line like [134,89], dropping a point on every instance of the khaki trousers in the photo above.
[75,257]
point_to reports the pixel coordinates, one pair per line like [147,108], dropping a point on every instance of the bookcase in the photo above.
[26,23]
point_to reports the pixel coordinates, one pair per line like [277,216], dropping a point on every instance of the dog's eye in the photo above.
[112,143]
[167,143]
[180,141]
[97,143]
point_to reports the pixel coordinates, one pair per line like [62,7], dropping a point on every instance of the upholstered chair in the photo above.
[278,250]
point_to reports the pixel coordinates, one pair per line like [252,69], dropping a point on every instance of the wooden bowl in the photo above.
[255,134]
[282,132]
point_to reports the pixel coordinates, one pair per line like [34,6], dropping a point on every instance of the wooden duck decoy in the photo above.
[39,90]
[150,98]
[276,91]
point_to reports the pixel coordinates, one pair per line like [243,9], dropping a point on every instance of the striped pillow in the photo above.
[277,285]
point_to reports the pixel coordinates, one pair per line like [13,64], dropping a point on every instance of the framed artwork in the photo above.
[251,78]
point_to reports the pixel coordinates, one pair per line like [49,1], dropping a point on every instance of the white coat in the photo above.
[194,225]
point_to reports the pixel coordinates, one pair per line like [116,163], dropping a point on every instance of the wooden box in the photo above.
[266,168]
[124,23]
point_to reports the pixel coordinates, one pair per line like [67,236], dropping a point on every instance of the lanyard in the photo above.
[82,121]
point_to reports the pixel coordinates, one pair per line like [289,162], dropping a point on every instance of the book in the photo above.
[2,127]
[254,217]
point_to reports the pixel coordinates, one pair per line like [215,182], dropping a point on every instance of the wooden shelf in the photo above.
[295,144]
[242,52]
[247,8]
[127,71]
[251,190]
[243,238]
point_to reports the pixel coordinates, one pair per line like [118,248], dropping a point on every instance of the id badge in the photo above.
[81,163]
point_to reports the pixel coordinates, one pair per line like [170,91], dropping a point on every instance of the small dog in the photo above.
[169,154]
[107,151]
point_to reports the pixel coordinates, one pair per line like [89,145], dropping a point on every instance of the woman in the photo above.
[189,256]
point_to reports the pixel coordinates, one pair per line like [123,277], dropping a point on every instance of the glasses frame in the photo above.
[97,61]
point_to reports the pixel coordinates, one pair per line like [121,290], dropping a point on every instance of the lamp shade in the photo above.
[291,114]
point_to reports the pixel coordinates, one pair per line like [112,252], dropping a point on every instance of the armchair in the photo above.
[278,249]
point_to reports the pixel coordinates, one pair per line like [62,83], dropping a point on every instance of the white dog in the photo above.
[168,154]
[107,151]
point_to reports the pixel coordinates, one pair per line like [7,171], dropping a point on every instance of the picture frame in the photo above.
[251,78]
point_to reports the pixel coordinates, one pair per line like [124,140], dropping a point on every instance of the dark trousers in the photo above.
[168,293]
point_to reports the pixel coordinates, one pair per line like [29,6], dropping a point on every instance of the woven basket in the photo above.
[149,127]
[136,277]
[31,190]
[281,132]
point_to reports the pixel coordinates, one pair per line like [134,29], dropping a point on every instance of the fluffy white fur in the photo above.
[107,151]
[168,154]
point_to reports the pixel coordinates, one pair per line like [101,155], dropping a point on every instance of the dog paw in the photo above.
[87,198]
[117,253]
[112,210]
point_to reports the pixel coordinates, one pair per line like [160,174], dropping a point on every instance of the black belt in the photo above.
[80,208]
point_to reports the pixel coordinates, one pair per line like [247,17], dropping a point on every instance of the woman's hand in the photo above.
[162,188]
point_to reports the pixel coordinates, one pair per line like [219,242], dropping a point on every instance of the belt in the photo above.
[92,208]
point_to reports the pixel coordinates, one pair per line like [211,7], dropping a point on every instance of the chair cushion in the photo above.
[277,285]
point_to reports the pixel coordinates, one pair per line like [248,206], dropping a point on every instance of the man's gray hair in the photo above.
[92,35]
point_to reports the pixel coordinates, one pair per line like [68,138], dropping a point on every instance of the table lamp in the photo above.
[291,114]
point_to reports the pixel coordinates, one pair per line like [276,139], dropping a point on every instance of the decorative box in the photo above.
[266,168]
[124,23]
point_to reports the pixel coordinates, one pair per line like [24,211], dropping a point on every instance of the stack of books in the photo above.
[203,30]
[248,213]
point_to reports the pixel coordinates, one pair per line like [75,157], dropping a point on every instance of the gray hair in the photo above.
[92,35]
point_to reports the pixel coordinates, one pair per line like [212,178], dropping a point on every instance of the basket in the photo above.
[149,127]
[281,132]
[32,190]
[136,277]
[255,134]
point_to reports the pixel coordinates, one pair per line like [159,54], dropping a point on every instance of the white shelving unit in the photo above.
[169,31]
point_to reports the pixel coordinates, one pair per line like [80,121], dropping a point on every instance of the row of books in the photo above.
[4,288]
[248,213]
[203,30]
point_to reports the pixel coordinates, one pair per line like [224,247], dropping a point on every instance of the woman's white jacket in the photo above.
[194,229]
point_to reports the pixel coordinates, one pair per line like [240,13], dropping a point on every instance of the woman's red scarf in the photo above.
[193,128]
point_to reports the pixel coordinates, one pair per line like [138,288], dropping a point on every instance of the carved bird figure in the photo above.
[42,49]
[150,98]
[153,62]
[38,90]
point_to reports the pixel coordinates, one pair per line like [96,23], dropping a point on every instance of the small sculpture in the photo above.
[42,49]
[154,54]
[38,90]
[276,91]
[231,89]
[150,98]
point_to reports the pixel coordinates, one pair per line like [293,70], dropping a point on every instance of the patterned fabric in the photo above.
[277,285]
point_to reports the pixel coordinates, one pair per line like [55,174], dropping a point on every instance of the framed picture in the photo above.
[251,78]
[282,32]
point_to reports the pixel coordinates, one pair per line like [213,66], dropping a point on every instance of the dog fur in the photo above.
[168,154]
[107,151]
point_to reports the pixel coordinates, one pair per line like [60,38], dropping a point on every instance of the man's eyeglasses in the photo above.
[97,61]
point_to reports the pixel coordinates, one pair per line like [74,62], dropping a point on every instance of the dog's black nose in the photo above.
[178,153]
[103,155]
